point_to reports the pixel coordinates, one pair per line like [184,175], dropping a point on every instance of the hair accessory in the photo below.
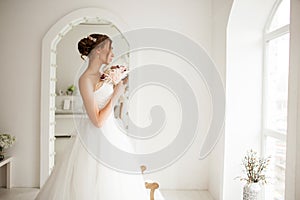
[91,38]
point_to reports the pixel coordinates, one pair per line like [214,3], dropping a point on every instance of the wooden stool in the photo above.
[151,186]
[7,162]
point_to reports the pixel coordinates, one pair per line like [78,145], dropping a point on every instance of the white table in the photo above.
[8,162]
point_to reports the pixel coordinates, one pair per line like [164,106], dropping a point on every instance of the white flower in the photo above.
[6,140]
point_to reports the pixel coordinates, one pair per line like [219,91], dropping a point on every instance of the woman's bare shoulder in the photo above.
[84,82]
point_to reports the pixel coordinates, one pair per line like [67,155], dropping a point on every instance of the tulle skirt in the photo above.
[80,177]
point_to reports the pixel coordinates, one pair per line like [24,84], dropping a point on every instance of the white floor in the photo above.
[30,193]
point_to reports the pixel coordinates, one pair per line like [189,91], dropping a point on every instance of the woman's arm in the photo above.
[96,115]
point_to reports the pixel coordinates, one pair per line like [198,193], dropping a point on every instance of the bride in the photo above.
[79,176]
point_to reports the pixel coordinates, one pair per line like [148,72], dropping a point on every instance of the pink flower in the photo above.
[115,74]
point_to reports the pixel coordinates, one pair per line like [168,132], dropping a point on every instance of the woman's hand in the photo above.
[119,89]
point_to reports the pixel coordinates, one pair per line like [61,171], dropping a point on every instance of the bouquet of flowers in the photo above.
[115,74]
[6,140]
[254,168]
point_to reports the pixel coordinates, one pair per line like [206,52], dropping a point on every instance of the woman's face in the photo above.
[107,54]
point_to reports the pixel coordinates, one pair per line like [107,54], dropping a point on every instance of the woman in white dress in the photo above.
[79,175]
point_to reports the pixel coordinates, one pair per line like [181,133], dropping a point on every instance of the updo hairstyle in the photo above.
[87,44]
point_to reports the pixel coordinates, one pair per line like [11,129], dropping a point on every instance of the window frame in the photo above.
[267,37]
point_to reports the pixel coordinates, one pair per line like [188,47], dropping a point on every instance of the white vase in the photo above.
[250,191]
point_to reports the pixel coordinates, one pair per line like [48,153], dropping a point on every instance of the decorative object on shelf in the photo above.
[71,89]
[67,104]
[61,92]
[255,171]
[6,141]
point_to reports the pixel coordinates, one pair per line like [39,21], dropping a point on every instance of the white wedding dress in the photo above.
[79,176]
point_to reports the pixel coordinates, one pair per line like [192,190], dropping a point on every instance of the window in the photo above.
[275,96]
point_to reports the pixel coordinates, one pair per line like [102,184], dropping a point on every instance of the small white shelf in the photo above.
[61,111]
[64,114]
[68,116]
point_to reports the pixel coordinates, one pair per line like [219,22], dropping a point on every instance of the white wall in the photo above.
[23,26]
[220,15]
[293,138]
[243,88]
[295,63]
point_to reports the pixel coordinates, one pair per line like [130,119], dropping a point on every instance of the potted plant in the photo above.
[71,89]
[254,169]
[6,141]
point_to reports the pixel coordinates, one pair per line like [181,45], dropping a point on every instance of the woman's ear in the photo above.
[98,50]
